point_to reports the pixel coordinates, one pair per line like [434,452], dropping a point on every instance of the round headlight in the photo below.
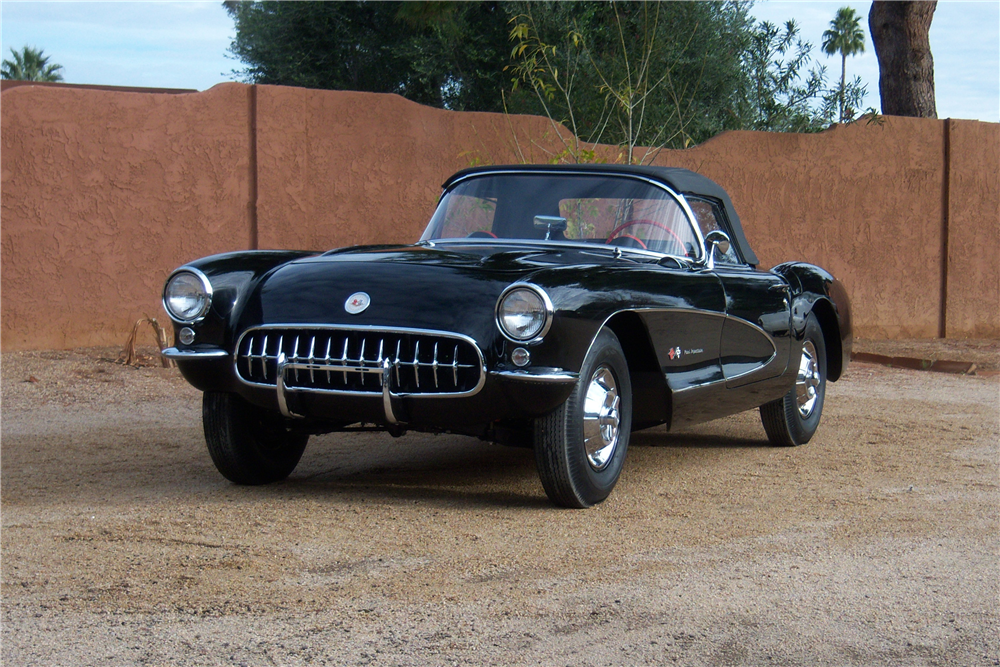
[187,296]
[523,313]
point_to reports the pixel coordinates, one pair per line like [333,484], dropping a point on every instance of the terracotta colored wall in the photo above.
[973,292]
[104,192]
[350,168]
[864,202]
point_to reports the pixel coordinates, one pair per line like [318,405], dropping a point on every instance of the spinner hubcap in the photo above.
[807,382]
[601,418]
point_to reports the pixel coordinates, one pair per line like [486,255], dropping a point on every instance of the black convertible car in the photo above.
[553,307]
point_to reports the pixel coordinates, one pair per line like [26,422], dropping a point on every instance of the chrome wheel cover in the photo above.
[601,418]
[808,379]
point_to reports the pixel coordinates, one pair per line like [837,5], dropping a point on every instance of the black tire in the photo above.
[569,474]
[786,420]
[249,445]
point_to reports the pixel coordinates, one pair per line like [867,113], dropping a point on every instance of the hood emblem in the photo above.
[357,303]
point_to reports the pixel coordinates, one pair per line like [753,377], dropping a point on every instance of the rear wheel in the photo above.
[793,419]
[580,447]
[249,445]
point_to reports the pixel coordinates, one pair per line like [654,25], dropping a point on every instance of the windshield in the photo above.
[605,210]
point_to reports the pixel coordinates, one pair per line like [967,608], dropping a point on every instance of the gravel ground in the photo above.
[984,353]
[876,543]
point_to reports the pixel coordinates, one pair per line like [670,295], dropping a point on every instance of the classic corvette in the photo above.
[553,307]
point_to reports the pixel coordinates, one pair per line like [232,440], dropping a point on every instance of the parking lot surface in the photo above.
[876,543]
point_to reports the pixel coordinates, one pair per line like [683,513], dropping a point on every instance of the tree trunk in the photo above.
[843,83]
[906,66]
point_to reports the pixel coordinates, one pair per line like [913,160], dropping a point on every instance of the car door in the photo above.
[756,335]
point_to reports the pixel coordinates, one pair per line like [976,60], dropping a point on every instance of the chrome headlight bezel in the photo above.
[206,296]
[545,308]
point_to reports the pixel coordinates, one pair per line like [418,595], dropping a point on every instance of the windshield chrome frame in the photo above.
[678,198]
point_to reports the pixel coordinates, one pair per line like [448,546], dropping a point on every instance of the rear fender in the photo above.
[815,290]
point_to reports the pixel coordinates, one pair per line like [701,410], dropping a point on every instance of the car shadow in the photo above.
[174,464]
[694,440]
[442,469]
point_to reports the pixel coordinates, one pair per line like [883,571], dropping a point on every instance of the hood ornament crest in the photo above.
[357,303]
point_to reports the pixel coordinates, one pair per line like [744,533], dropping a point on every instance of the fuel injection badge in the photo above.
[677,352]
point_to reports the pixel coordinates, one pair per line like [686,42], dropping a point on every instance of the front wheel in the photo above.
[793,419]
[249,445]
[580,447]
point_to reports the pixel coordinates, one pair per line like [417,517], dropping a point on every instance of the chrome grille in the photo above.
[351,361]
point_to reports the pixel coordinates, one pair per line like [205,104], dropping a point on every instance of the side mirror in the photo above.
[715,239]
[550,223]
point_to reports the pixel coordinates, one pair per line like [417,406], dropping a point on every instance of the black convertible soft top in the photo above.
[679,180]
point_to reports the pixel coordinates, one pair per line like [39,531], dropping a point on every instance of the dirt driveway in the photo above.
[876,543]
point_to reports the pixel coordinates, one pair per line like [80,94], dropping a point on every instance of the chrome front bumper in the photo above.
[187,355]
[386,374]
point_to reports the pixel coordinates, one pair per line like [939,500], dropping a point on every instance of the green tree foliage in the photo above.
[631,73]
[29,64]
[668,74]
[845,37]
[438,53]
[780,94]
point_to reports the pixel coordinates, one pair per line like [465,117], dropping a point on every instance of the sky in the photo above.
[185,45]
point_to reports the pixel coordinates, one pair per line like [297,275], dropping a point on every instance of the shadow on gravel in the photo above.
[115,465]
[693,440]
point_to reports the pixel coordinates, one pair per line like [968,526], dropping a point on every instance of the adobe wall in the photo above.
[359,168]
[973,289]
[862,201]
[104,192]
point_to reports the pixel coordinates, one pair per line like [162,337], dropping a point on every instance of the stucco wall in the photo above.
[973,290]
[357,168]
[863,201]
[104,192]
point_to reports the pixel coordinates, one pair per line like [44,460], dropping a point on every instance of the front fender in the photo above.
[233,277]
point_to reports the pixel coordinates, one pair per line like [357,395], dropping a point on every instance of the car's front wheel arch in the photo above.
[580,447]
[650,394]
[827,318]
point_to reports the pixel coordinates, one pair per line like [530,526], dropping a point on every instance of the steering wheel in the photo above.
[629,240]
[643,221]
[482,234]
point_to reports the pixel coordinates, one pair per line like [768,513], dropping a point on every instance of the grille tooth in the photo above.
[435,365]
[263,356]
[326,358]
[381,346]
[315,365]
[395,363]
[343,359]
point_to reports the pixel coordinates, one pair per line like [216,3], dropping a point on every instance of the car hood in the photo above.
[443,287]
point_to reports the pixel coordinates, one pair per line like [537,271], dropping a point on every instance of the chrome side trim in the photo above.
[704,385]
[336,364]
[753,370]
[205,283]
[540,375]
[724,316]
[549,312]
[174,353]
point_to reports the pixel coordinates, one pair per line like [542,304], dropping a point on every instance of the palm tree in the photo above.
[845,37]
[30,65]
